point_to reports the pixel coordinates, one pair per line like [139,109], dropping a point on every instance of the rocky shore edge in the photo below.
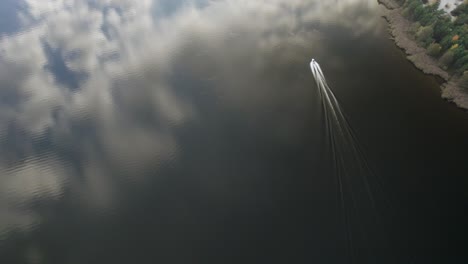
[399,27]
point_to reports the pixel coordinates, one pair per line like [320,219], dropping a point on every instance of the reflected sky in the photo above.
[181,118]
[189,131]
[88,88]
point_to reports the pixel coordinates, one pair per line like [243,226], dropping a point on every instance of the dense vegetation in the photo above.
[444,37]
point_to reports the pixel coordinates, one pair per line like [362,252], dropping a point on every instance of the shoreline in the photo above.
[398,27]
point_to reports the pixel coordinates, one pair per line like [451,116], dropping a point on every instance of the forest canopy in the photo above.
[444,35]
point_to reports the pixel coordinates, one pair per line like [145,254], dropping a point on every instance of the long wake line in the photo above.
[356,196]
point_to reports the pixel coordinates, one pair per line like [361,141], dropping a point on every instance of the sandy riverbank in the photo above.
[399,27]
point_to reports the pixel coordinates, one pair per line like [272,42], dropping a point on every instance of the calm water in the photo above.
[190,132]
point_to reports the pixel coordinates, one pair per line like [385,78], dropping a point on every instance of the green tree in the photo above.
[441,29]
[461,62]
[413,5]
[418,12]
[458,52]
[464,40]
[464,68]
[435,30]
[427,18]
[462,19]
[446,42]
[461,9]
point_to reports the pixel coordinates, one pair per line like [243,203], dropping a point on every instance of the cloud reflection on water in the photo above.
[130,59]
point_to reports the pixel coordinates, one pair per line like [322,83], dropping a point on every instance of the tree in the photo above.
[446,42]
[427,18]
[418,12]
[458,51]
[461,9]
[439,33]
[464,68]
[461,62]
[461,19]
[464,40]
[441,29]
[413,5]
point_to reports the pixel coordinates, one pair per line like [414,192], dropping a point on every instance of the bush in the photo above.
[424,34]
[434,49]
[464,81]
[406,13]
[415,27]
[447,59]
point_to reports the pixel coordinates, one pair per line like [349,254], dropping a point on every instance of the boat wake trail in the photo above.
[361,196]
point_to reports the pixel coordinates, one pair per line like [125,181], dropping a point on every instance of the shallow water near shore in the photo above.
[191,132]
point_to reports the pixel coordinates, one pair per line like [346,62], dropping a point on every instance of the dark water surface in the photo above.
[190,132]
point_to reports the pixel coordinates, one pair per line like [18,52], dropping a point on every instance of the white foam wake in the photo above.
[356,184]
